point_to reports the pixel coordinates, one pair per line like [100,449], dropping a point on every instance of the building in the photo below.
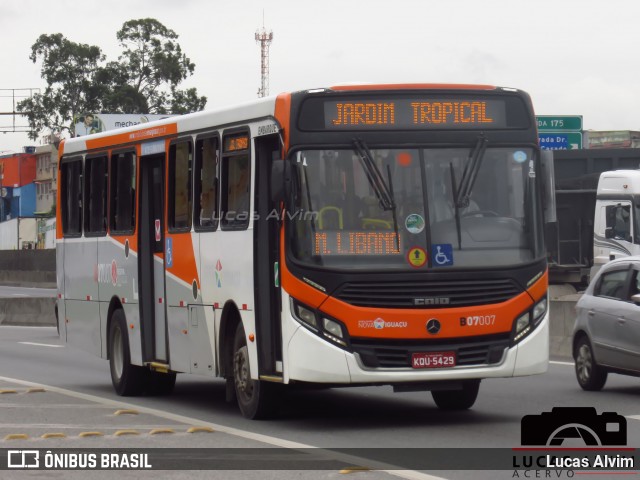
[46,180]
[17,172]
[612,139]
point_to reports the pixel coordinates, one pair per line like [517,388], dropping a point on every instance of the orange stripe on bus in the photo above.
[540,287]
[59,195]
[184,259]
[283,116]
[295,287]
[133,241]
[131,137]
[411,323]
[414,86]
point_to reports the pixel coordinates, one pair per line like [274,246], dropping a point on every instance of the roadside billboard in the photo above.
[90,123]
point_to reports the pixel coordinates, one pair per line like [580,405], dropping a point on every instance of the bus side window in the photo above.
[123,193]
[235,182]
[72,197]
[95,194]
[180,159]
[206,194]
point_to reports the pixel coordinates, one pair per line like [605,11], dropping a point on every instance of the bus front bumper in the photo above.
[310,358]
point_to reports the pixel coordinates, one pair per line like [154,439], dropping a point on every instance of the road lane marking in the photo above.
[561,363]
[82,426]
[258,437]
[42,344]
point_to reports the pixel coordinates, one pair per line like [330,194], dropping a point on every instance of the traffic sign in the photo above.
[552,123]
[560,141]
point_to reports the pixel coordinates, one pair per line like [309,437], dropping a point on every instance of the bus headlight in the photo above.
[522,327]
[529,320]
[333,331]
[304,315]
[539,310]
[328,329]
[332,327]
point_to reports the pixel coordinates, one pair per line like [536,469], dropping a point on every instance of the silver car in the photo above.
[606,335]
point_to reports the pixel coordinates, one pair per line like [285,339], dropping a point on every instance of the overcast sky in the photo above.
[574,57]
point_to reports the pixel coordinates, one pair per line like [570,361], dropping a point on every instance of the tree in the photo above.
[144,80]
[69,69]
[152,65]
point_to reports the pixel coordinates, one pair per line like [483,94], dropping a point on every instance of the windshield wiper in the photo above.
[383,192]
[470,172]
[380,188]
[454,195]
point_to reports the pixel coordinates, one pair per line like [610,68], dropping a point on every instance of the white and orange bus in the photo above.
[354,235]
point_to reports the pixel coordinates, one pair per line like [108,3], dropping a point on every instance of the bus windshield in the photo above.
[375,208]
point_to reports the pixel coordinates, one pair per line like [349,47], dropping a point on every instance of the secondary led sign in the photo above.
[233,144]
[356,243]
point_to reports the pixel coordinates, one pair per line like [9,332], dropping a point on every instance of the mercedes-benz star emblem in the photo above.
[433,326]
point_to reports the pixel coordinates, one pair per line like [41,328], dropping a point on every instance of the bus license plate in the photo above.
[433,360]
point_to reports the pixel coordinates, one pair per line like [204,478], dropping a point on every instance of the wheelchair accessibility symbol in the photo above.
[442,254]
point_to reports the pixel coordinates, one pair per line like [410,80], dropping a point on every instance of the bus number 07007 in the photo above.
[478,321]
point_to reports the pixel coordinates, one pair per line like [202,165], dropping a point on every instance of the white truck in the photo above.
[616,228]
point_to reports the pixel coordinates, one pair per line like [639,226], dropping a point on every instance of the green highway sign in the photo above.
[564,123]
[560,140]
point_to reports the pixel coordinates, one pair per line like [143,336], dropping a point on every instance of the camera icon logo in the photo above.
[571,426]
[23,459]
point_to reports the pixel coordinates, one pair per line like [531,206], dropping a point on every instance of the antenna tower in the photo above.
[264,38]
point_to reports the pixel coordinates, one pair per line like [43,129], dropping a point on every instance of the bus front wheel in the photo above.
[127,379]
[256,399]
[457,399]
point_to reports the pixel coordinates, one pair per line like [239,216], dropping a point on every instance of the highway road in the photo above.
[13,292]
[352,417]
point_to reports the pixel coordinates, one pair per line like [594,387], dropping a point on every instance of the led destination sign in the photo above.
[356,243]
[410,113]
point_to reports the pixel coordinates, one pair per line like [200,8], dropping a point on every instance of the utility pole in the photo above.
[264,38]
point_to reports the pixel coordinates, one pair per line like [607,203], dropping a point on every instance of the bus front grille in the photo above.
[440,294]
[398,353]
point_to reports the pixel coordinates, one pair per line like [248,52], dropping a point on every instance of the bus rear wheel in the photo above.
[128,380]
[256,399]
[457,399]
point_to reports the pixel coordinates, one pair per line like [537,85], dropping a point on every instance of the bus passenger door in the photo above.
[265,257]
[151,259]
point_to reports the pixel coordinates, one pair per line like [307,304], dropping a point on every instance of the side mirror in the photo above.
[636,298]
[280,180]
[609,232]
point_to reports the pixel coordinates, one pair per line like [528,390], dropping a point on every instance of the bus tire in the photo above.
[57,319]
[457,399]
[256,399]
[128,380]
[161,383]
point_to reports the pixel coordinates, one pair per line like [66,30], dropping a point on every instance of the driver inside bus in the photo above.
[442,205]
[207,206]
[239,186]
